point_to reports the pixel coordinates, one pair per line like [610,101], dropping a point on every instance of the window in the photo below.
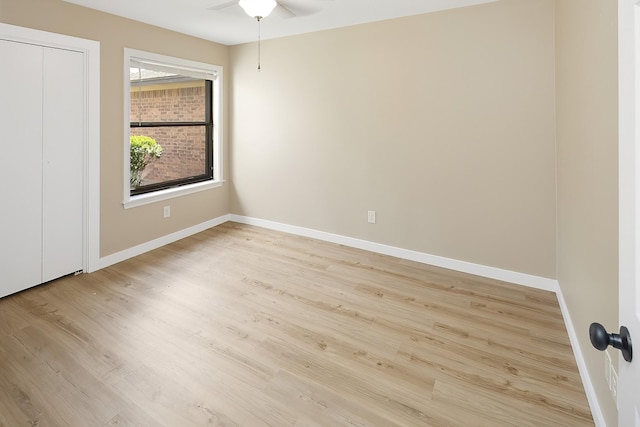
[172,143]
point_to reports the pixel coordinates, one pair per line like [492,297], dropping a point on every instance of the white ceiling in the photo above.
[232,26]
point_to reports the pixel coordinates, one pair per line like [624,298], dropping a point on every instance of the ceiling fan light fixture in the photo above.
[258,8]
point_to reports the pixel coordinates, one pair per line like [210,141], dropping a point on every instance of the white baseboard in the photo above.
[592,398]
[159,242]
[435,260]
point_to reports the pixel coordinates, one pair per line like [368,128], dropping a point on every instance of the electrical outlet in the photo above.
[167,211]
[371,217]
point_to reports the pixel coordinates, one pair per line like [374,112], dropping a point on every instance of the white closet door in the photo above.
[20,166]
[63,128]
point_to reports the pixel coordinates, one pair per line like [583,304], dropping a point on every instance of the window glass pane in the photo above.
[183,153]
[158,96]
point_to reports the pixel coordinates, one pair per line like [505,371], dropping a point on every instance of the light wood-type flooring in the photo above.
[242,326]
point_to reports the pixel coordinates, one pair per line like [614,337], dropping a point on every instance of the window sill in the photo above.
[170,193]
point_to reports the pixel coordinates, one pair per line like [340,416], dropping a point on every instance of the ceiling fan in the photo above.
[285,9]
[259,9]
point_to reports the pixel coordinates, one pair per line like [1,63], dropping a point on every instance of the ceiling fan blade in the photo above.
[223,5]
[284,11]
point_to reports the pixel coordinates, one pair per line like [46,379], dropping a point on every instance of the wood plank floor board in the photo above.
[85,389]
[373,391]
[97,355]
[243,326]
[496,363]
[479,402]
[325,407]
[34,382]
[539,366]
[559,404]
[493,373]
[133,416]
[16,406]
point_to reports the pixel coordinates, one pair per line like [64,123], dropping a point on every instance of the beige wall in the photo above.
[587,138]
[121,229]
[443,123]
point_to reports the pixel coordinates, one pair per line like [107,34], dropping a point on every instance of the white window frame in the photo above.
[216,73]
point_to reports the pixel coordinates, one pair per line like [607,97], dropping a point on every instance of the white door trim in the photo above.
[629,202]
[91,52]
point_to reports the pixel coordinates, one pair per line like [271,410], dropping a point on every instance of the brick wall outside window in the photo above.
[183,147]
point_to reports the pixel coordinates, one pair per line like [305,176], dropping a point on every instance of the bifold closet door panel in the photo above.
[63,129]
[20,166]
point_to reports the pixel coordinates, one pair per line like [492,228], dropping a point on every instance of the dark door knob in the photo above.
[601,339]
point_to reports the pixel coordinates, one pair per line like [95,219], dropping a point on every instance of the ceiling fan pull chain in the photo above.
[259,42]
